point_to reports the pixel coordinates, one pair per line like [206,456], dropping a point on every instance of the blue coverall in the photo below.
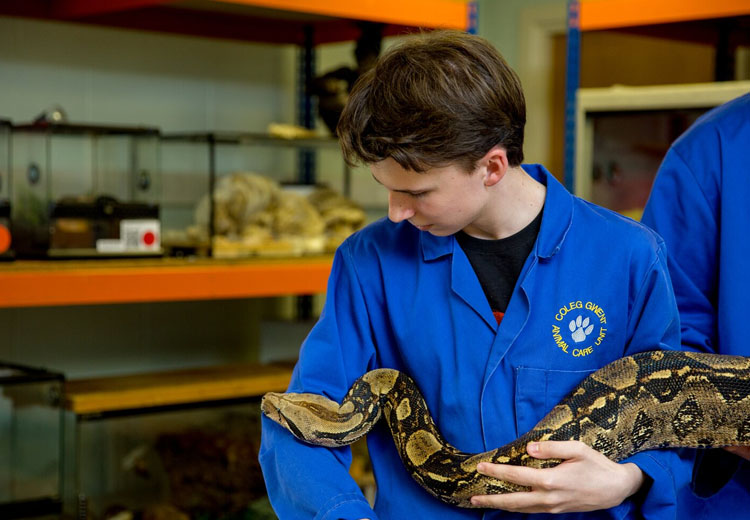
[700,204]
[409,300]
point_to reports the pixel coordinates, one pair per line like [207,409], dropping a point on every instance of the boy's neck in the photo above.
[513,203]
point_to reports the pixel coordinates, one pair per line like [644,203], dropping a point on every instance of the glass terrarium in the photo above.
[624,132]
[272,196]
[169,462]
[6,243]
[85,191]
[31,442]
[628,149]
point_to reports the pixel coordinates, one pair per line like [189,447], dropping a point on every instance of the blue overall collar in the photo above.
[556,220]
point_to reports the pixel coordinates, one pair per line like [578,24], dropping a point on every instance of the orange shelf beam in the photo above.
[34,284]
[612,14]
[414,13]
[271,21]
[452,14]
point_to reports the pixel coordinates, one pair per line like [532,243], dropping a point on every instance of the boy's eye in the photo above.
[418,194]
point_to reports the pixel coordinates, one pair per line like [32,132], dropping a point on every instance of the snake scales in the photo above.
[650,400]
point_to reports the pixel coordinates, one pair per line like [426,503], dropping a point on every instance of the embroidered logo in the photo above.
[579,327]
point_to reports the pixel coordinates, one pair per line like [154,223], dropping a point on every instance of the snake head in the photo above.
[271,405]
[283,410]
[315,419]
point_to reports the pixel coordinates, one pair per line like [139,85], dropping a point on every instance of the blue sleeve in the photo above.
[655,324]
[681,210]
[305,481]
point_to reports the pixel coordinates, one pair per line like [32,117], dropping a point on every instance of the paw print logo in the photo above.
[580,328]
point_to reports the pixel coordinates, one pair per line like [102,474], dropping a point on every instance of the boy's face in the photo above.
[441,200]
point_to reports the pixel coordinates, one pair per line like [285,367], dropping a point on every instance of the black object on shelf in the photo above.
[6,243]
[31,508]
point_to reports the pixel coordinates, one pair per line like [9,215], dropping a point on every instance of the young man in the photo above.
[489,284]
[700,205]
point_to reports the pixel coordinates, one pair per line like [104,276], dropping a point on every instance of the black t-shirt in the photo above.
[498,263]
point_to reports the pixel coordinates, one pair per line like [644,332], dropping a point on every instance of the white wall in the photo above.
[179,83]
[499,23]
[520,30]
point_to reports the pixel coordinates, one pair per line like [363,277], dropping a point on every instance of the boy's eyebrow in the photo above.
[410,192]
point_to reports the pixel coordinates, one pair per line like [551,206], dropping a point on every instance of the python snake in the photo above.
[657,399]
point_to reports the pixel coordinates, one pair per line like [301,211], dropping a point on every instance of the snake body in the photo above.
[657,399]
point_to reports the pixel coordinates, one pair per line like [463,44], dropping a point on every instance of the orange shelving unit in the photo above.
[25,284]
[45,283]
[272,21]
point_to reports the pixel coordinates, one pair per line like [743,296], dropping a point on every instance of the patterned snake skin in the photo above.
[650,400]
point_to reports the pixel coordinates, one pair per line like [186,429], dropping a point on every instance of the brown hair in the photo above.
[436,99]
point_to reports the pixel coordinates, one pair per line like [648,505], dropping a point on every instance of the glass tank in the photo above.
[272,196]
[85,191]
[182,463]
[624,132]
[628,149]
[31,442]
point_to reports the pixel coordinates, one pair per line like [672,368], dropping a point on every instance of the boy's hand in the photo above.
[586,480]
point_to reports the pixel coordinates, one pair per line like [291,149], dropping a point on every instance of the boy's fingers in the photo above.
[557,449]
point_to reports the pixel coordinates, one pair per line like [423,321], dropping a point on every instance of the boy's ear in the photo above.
[495,164]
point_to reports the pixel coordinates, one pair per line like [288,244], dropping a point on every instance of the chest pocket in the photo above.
[539,390]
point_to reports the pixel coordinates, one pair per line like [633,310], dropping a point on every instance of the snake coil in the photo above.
[651,400]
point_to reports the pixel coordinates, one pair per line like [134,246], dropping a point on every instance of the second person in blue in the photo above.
[490,285]
[700,204]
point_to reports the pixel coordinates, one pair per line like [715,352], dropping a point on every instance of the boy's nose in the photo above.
[398,207]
